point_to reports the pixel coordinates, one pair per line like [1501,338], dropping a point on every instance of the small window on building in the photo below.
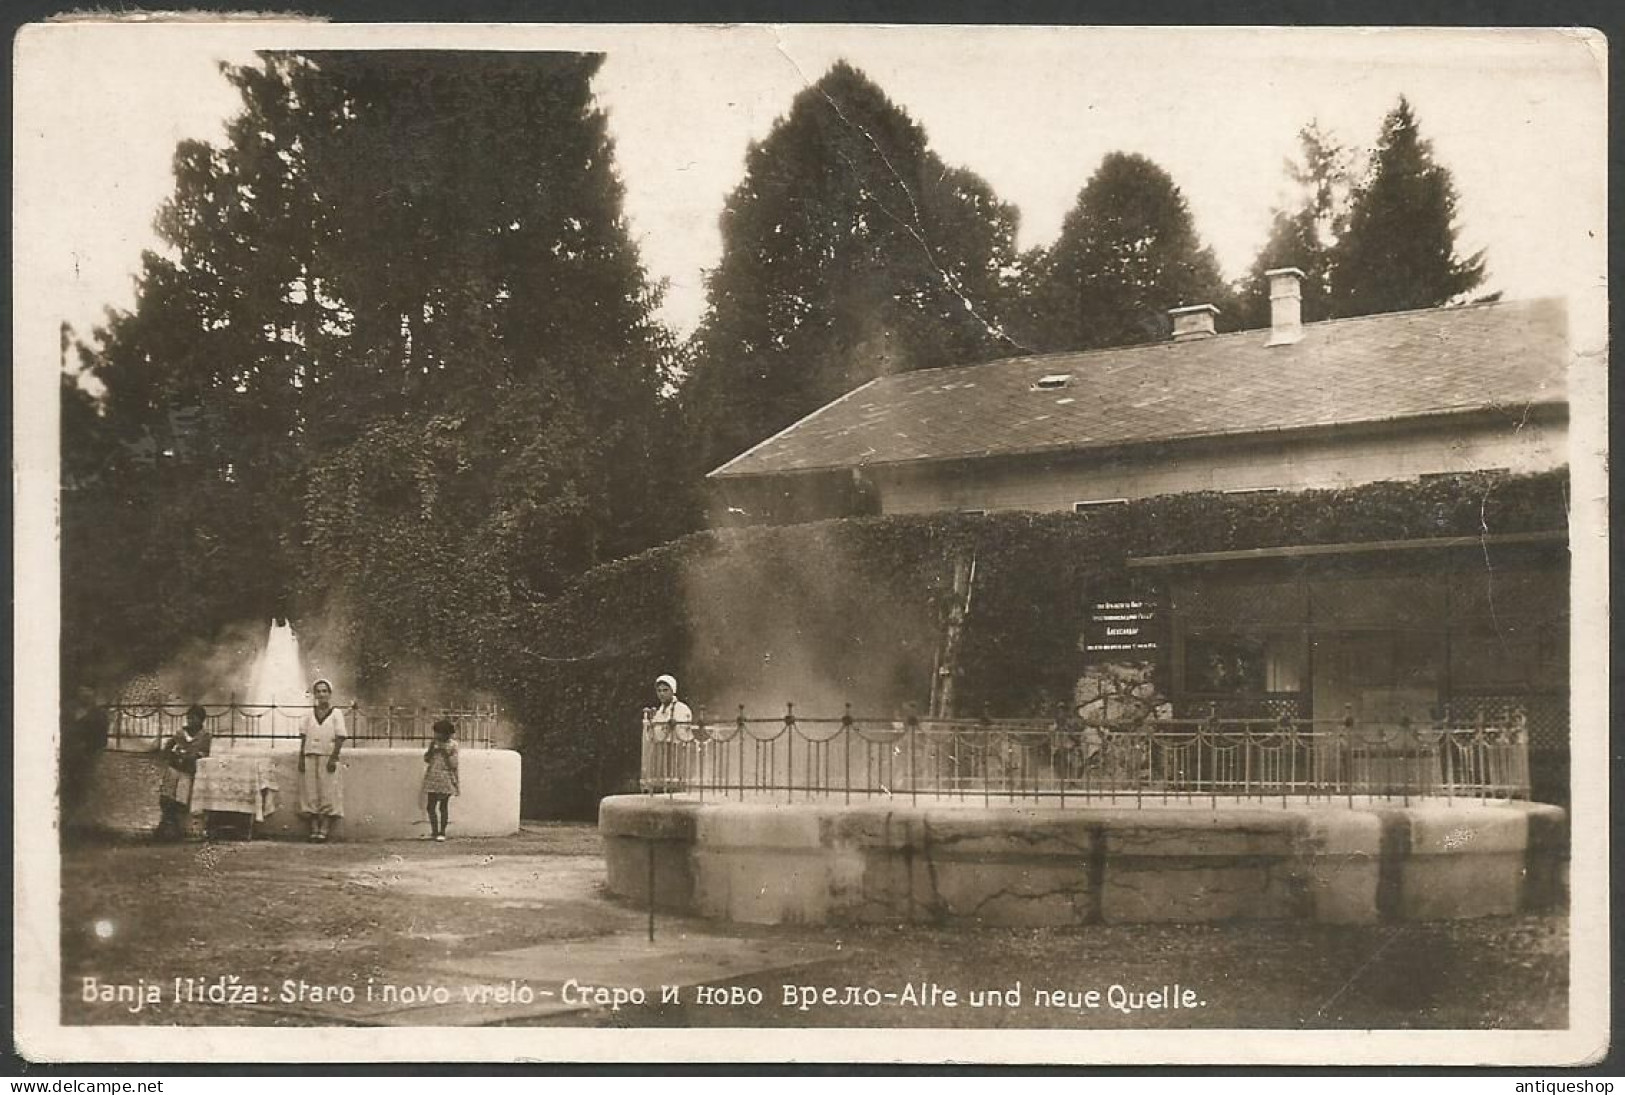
[1254,490]
[1234,664]
[1052,382]
[1096,503]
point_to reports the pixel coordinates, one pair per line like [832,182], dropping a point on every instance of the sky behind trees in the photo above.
[1517,117]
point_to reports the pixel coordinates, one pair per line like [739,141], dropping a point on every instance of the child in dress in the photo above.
[440,777]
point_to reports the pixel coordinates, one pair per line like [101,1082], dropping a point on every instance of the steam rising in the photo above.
[809,627]
[278,675]
[253,662]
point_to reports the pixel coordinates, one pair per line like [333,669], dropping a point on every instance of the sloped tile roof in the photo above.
[1364,370]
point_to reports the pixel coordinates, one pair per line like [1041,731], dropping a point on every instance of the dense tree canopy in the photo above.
[850,250]
[1399,249]
[399,355]
[1128,252]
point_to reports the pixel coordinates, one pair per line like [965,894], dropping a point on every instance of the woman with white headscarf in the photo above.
[671,720]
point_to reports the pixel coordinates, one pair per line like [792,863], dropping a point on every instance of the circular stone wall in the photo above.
[382,799]
[770,863]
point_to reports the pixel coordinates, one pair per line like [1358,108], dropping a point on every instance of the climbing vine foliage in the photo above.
[858,604]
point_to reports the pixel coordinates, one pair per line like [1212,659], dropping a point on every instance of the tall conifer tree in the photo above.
[1399,251]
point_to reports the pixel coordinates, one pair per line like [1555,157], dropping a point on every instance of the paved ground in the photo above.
[519,931]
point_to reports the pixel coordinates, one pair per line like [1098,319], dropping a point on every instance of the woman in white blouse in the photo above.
[321,780]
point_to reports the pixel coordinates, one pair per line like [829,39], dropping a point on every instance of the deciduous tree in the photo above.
[1127,253]
[399,352]
[850,250]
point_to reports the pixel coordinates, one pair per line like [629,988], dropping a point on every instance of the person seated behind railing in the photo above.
[671,720]
[181,751]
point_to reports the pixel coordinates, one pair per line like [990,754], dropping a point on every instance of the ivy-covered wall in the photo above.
[851,610]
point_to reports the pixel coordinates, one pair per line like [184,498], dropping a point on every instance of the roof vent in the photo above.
[1051,382]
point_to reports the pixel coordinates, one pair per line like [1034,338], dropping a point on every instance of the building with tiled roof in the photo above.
[1466,629]
[1401,395]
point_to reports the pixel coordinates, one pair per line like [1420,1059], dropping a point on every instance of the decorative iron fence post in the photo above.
[1288,730]
[846,750]
[1480,756]
[790,751]
[984,725]
[911,726]
[1348,746]
[1058,739]
[701,737]
[674,748]
[1247,760]
[1518,756]
[1451,765]
[645,767]
[1211,731]
[1141,765]
[1404,735]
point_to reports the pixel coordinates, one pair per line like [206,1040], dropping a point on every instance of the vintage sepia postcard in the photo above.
[762,543]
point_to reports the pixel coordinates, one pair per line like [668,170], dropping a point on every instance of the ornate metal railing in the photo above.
[141,726]
[1157,760]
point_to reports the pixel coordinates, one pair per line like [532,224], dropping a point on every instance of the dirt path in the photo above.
[408,932]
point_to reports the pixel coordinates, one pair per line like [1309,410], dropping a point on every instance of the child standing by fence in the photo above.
[440,777]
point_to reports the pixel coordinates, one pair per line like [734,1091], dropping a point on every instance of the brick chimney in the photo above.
[1286,306]
[1193,322]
